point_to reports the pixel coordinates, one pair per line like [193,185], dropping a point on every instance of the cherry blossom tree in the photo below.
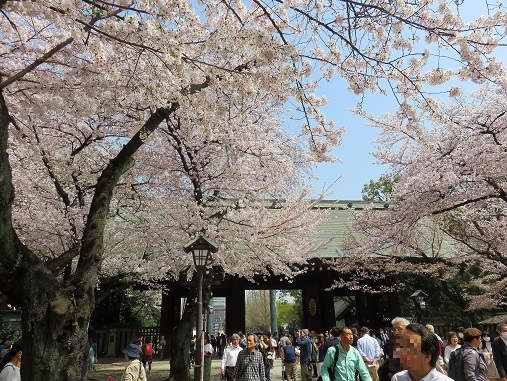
[452,185]
[127,127]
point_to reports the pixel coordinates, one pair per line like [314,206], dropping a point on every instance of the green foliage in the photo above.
[287,314]
[9,330]
[130,307]
[289,308]
[257,317]
[380,190]
[445,297]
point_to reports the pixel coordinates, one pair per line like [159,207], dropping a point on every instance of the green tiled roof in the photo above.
[334,228]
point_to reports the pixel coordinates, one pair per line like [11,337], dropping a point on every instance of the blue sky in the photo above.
[358,165]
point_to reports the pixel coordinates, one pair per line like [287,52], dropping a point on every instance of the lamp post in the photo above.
[419,297]
[201,248]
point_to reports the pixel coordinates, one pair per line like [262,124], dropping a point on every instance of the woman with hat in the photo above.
[11,363]
[134,371]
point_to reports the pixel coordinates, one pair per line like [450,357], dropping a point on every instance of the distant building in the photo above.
[216,317]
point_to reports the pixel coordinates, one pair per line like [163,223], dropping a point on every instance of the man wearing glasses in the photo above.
[250,363]
[392,365]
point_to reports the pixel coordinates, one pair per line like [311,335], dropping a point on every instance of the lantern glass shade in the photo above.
[201,257]
[421,301]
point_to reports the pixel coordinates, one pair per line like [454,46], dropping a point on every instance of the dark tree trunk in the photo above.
[55,329]
[180,347]
[182,335]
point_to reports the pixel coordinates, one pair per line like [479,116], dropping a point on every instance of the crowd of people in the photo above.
[409,352]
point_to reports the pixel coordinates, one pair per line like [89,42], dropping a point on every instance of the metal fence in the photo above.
[112,339]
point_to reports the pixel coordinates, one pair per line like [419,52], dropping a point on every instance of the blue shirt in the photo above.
[369,347]
[289,354]
[305,346]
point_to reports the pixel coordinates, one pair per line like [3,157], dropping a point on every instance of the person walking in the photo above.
[268,352]
[474,365]
[487,352]
[391,365]
[369,348]
[289,357]
[418,353]
[452,340]
[147,352]
[134,370]
[250,363]
[209,352]
[282,342]
[348,360]
[161,345]
[499,348]
[230,358]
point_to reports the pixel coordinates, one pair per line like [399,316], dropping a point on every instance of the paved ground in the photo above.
[159,370]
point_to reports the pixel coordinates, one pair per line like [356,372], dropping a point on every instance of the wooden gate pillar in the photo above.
[170,313]
[312,307]
[235,309]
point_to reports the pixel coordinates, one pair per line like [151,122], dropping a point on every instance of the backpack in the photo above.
[456,365]
[148,349]
[331,369]
[314,356]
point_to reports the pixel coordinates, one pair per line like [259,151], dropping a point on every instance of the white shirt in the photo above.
[230,356]
[433,375]
[10,372]
[448,351]
[208,349]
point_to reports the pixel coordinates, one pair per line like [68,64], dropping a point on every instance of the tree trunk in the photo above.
[55,329]
[182,335]
[180,347]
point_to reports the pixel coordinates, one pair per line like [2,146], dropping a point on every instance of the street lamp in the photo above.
[201,248]
[419,297]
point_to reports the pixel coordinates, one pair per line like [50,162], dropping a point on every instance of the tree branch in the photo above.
[36,63]
[56,265]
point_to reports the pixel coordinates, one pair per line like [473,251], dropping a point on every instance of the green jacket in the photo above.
[345,365]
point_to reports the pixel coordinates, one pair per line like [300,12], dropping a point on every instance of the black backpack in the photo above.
[314,355]
[331,369]
[456,365]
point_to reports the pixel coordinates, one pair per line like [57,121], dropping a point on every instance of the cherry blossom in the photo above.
[450,178]
[128,127]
